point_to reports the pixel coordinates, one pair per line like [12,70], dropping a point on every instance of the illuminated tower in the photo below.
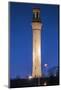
[36,28]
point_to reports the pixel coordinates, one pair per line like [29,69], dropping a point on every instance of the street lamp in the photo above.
[30,77]
[45,65]
[45,83]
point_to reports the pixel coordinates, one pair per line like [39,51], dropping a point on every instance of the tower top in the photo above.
[36,15]
[36,10]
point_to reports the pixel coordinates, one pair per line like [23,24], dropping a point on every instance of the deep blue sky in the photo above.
[21,37]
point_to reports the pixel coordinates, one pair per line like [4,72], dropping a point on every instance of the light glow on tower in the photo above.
[39,51]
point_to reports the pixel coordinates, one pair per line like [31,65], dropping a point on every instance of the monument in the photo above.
[36,28]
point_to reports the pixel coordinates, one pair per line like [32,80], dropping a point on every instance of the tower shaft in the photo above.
[36,27]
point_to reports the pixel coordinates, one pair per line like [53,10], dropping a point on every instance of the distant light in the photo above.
[45,65]
[55,75]
[30,77]
[45,83]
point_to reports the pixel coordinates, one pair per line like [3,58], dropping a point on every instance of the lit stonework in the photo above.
[36,27]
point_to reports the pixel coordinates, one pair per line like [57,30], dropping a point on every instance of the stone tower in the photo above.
[36,28]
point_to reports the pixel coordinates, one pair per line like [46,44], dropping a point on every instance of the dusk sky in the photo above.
[20,15]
